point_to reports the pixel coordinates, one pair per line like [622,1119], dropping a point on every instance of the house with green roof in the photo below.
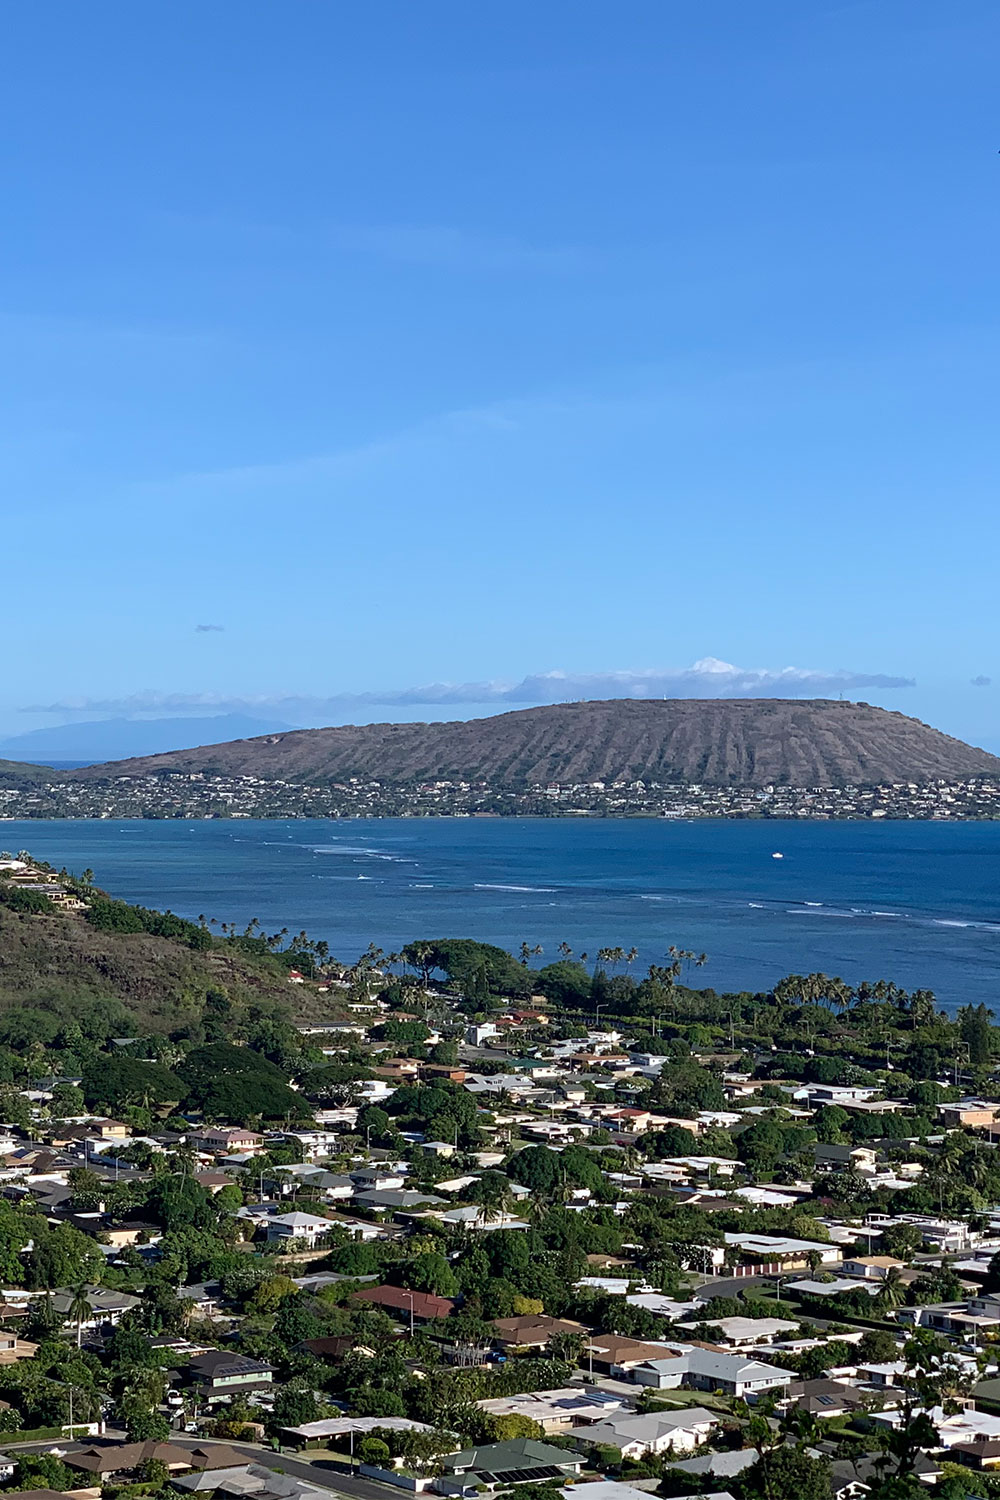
[520,1461]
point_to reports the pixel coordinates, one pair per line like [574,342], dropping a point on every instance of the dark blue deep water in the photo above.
[918,903]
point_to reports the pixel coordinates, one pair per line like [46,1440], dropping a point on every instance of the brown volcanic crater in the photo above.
[717,742]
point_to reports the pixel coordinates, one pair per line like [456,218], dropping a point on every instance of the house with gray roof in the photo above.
[708,1370]
[636,1434]
[393,1200]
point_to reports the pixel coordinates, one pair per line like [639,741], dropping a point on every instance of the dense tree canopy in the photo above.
[111,1083]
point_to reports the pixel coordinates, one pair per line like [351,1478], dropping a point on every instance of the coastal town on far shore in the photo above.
[440,1222]
[204,795]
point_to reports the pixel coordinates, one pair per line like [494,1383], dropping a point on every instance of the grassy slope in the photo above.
[19,773]
[63,959]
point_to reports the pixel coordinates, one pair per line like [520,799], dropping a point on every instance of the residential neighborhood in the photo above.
[460,1234]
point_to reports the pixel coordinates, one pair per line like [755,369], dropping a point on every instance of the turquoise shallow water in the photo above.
[918,903]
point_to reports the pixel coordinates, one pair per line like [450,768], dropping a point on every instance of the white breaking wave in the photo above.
[539,890]
[349,849]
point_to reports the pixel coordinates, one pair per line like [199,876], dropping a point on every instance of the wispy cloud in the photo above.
[456,249]
[206,629]
[708,678]
[461,422]
[981,681]
[450,247]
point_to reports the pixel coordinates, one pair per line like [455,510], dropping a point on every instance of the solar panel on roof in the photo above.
[520,1476]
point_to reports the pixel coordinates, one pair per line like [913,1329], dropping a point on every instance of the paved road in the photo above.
[732,1286]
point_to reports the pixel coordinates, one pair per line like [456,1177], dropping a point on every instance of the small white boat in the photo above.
[777,856]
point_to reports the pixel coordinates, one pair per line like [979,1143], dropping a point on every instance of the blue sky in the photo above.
[463,344]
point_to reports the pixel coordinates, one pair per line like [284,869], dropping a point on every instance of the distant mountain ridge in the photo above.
[116,739]
[715,742]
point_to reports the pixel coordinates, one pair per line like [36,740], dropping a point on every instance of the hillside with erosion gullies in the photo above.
[735,743]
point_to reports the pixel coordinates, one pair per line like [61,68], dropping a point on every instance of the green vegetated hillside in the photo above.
[20,773]
[67,964]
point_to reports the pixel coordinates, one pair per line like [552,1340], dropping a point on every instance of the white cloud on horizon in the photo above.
[707,678]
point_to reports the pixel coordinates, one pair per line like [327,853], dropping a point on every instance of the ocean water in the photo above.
[918,903]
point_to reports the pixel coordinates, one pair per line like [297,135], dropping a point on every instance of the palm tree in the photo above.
[567,1347]
[535,1210]
[922,1007]
[893,1290]
[838,994]
[495,1198]
[80,1310]
[423,955]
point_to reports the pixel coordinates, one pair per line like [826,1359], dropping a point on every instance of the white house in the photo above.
[558,1410]
[873,1267]
[705,1370]
[297,1226]
[750,1330]
[774,1251]
[966,1426]
[656,1432]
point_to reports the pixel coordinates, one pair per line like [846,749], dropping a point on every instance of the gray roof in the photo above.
[824,1152]
[250,1479]
[847,1471]
[708,1363]
[99,1297]
[397,1198]
[500,1458]
[719,1465]
[643,1427]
